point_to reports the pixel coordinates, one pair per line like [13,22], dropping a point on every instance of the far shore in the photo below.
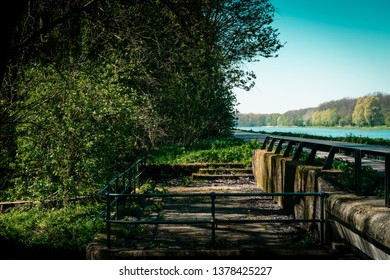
[383,127]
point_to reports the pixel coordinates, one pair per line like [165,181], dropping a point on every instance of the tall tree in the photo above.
[368,112]
[93,83]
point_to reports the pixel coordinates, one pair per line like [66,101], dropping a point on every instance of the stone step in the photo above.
[222,171]
[199,176]
[224,165]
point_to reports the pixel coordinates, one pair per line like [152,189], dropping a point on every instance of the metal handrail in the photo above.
[133,174]
[213,220]
[358,151]
[126,182]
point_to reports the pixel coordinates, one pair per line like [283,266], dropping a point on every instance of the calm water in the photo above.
[334,132]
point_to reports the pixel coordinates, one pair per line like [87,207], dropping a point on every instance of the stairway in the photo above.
[225,171]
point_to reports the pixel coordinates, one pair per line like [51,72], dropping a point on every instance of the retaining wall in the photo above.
[362,223]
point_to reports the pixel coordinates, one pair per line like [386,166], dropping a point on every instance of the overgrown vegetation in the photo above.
[218,150]
[38,227]
[86,86]
[90,85]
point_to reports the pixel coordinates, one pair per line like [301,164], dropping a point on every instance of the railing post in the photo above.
[358,172]
[265,143]
[279,146]
[213,221]
[322,217]
[310,159]
[271,145]
[288,149]
[298,152]
[123,199]
[108,216]
[138,174]
[116,200]
[329,160]
[387,180]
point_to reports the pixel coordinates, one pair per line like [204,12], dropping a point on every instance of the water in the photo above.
[334,132]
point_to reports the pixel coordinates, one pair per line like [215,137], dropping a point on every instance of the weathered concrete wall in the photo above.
[364,223]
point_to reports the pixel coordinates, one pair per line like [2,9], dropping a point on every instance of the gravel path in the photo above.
[237,241]
[198,236]
[229,236]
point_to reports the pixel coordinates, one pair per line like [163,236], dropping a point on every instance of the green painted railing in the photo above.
[358,151]
[213,220]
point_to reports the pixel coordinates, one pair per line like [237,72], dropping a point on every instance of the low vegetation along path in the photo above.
[259,240]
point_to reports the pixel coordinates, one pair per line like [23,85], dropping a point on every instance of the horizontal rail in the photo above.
[219,194]
[213,221]
[207,221]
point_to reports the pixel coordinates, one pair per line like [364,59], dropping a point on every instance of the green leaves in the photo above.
[368,112]
[118,79]
[76,140]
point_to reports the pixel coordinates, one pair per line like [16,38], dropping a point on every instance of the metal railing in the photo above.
[213,220]
[124,183]
[357,151]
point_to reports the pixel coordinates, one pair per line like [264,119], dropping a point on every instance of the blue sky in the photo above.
[334,49]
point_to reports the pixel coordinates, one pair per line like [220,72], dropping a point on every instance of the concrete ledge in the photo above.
[98,250]
[364,222]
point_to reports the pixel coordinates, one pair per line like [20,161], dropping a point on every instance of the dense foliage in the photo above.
[367,111]
[87,86]
[91,85]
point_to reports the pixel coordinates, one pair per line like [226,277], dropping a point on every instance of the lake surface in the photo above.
[334,132]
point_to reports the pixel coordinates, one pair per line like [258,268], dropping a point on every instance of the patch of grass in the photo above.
[72,226]
[219,150]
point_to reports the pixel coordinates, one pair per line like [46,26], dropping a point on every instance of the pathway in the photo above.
[258,241]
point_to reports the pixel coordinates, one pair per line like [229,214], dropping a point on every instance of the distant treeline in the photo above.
[370,110]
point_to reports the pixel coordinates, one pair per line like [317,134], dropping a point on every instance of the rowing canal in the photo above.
[333,132]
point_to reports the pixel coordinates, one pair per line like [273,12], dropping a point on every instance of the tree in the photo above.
[92,84]
[373,111]
[368,112]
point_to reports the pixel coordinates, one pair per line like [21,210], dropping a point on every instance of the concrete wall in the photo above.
[363,223]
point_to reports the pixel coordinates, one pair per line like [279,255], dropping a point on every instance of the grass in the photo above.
[218,150]
[35,227]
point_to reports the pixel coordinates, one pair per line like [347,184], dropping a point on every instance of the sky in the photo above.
[334,49]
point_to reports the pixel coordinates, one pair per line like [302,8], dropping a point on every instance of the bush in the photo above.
[372,180]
